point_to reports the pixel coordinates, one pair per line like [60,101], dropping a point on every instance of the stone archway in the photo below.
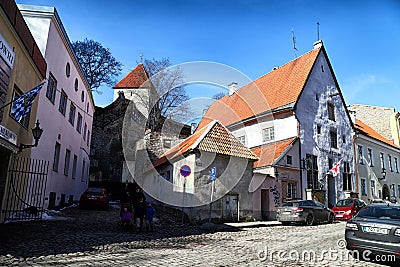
[385,192]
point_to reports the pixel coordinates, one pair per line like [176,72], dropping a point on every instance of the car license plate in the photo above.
[339,215]
[375,230]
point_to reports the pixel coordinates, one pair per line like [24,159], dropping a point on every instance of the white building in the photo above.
[65,109]
[136,87]
[295,119]
[377,164]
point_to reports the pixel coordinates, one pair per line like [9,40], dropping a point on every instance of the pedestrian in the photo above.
[149,215]
[139,214]
[138,194]
[126,201]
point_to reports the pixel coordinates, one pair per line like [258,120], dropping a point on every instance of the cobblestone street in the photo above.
[92,238]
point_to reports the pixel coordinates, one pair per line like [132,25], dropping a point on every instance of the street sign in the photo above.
[185,171]
[213,173]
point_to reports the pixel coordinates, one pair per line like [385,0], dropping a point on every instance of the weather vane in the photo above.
[294,43]
[141,57]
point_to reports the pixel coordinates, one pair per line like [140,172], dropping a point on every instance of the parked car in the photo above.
[346,209]
[94,198]
[376,228]
[378,201]
[308,212]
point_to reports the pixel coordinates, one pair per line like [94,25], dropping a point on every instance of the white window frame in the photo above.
[242,139]
[364,187]
[382,158]
[56,158]
[370,157]
[390,162]
[268,134]
[373,188]
[360,153]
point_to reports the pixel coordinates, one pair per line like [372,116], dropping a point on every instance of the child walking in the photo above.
[150,212]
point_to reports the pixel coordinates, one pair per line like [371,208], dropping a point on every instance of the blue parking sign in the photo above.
[213,173]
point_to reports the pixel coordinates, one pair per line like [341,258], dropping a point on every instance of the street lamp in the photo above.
[383,174]
[37,133]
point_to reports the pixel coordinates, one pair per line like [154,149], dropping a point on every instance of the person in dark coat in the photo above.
[140,210]
[138,194]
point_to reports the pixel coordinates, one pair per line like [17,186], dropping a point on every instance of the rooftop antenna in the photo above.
[318,31]
[294,43]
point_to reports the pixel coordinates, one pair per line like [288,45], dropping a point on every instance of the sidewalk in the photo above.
[253,224]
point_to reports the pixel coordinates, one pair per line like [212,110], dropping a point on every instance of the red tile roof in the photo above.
[368,131]
[133,79]
[270,152]
[275,89]
[213,138]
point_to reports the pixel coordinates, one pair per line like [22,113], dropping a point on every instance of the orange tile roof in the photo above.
[275,89]
[213,138]
[133,79]
[368,131]
[270,152]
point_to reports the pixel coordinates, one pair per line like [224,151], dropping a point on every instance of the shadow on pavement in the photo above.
[80,230]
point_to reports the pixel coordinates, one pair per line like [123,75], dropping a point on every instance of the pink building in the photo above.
[65,109]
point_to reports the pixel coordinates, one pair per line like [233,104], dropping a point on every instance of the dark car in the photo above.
[308,212]
[346,209]
[375,229]
[94,198]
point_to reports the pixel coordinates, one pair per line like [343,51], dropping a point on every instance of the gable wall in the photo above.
[312,112]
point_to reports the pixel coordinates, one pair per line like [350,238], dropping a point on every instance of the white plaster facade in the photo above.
[139,96]
[372,158]
[284,128]
[69,178]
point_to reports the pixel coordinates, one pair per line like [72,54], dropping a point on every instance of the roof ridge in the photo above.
[288,63]
[133,79]
[384,139]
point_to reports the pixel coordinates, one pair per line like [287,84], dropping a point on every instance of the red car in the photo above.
[94,198]
[346,209]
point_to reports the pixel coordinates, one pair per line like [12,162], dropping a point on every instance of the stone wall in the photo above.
[106,148]
[378,118]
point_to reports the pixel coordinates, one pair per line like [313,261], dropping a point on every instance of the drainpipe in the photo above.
[300,169]
[355,160]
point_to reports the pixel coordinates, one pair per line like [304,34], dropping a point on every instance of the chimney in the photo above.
[232,88]
[121,95]
[353,116]
[318,44]
[193,127]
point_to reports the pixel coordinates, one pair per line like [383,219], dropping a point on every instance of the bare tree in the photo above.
[97,62]
[218,96]
[168,94]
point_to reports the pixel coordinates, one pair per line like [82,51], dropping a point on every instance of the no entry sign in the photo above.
[185,170]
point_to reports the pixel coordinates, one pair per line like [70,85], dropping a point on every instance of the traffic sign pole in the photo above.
[213,172]
[185,171]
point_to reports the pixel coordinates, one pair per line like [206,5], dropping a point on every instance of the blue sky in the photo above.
[361,37]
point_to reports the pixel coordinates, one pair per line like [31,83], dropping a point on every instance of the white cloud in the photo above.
[356,86]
